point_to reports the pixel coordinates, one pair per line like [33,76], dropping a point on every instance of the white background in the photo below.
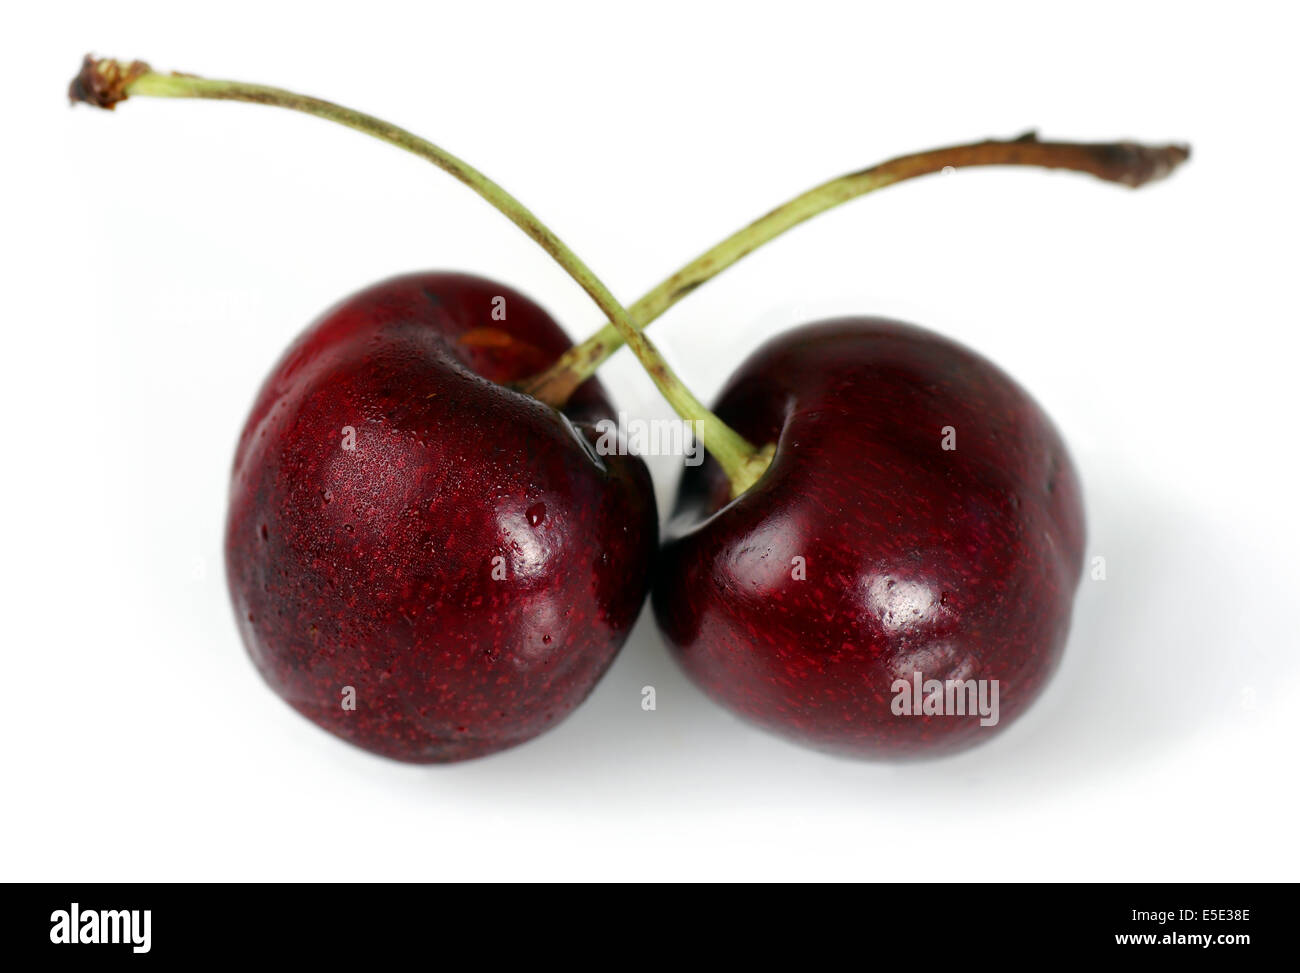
[157,260]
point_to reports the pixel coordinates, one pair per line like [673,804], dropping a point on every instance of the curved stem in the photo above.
[1127,163]
[104,82]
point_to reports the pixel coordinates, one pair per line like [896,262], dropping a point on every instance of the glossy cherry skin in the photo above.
[959,564]
[408,534]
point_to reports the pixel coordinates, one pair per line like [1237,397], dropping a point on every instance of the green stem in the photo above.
[105,82]
[1127,163]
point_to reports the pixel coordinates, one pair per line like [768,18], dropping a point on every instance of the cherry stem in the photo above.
[1127,163]
[104,82]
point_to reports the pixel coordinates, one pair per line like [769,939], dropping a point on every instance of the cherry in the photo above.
[423,561]
[920,514]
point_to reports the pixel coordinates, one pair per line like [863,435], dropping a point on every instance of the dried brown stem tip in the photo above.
[1127,163]
[102,81]
[1138,164]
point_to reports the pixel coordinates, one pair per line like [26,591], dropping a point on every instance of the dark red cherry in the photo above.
[423,561]
[870,551]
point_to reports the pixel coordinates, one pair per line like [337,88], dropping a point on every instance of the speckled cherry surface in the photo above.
[403,524]
[959,564]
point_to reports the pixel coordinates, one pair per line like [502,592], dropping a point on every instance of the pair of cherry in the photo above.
[429,557]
